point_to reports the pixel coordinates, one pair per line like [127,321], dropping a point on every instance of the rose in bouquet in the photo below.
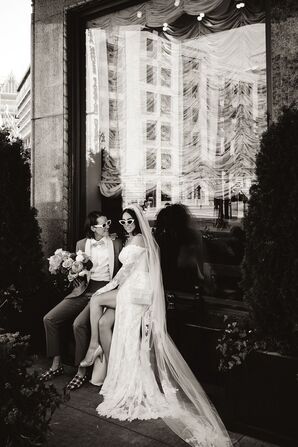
[69,268]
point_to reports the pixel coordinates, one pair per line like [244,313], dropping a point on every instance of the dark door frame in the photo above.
[76,19]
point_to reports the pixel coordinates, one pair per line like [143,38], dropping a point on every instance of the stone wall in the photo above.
[49,120]
[284,55]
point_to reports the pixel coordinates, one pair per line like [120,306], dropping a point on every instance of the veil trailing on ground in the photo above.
[192,416]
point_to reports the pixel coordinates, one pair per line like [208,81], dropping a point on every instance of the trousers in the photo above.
[77,311]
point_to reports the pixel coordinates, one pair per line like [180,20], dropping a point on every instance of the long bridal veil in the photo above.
[192,416]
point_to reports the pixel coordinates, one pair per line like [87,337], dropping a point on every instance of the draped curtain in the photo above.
[181,102]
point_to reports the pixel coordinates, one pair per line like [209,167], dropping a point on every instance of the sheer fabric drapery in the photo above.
[220,15]
[180,112]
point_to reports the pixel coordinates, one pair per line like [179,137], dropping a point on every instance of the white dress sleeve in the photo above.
[132,254]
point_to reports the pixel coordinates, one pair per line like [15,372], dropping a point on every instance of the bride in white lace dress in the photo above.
[147,377]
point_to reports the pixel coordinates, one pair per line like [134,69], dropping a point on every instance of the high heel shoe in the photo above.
[97,353]
[99,372]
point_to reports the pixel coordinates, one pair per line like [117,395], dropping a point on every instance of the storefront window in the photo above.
[173,117]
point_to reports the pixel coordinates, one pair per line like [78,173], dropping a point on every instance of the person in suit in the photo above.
[103,251]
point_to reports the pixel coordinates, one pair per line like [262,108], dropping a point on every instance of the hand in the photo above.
[77,282]
[98,292]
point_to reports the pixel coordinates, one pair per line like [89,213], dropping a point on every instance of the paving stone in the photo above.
[236,437]
[71,427]
[247,441]
[77,424]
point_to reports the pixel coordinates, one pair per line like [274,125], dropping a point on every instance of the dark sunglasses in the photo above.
[126,222]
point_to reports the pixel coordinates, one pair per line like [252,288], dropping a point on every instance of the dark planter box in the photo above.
[262,396]
[195,323]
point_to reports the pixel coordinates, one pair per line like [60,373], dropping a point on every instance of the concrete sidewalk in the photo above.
[77,424]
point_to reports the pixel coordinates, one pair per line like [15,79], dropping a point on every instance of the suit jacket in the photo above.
[114,248]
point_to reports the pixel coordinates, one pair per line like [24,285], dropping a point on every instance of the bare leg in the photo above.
[56,363]
[105,325]
[81,371]
[97,302]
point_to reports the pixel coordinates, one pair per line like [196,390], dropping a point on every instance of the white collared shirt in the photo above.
[100,258]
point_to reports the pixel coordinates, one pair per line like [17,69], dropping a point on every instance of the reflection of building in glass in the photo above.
[8,105]
[147,148]
[24,109]
[178,124]
[223,118]
[160,115]
[149,156]
[92,100]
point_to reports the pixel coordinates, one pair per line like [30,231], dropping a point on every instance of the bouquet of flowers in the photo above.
[68,267]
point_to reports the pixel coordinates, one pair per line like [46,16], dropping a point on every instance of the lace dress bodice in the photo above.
[135,280]
[132,253]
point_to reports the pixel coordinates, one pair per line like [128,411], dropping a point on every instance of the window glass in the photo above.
[174,119]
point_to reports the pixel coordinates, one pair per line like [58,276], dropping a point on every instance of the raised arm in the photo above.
[124,272]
